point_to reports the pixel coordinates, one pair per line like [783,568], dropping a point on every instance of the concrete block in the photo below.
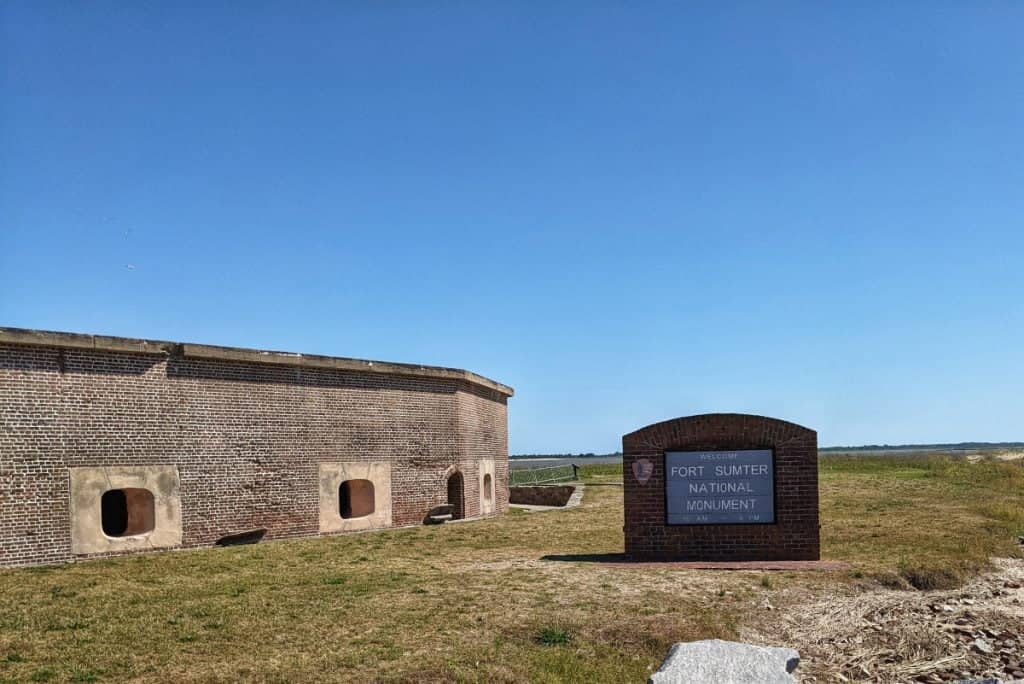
[332,475]
[88,486]
[726,662]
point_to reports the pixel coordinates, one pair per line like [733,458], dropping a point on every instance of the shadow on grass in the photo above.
[590,558]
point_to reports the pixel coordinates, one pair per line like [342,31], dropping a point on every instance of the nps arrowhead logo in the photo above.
[643,468]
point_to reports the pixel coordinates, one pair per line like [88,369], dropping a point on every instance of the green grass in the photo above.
[601,472]
[922,515]
[473,601]
[553,636]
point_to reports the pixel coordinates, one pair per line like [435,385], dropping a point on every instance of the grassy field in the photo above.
[477,601]
[914,515]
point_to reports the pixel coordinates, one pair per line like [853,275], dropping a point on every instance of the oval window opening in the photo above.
[355,498]
[488,488]
[127,512]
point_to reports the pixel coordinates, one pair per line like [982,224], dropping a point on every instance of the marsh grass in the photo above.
[466,602]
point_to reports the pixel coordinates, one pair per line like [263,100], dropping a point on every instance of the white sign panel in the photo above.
[719,487]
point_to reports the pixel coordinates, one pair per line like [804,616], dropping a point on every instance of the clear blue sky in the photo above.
[813,211]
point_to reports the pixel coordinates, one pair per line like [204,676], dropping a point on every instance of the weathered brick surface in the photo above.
[246,437]
[793,536]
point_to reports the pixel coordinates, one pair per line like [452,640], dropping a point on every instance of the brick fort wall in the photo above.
[793,536]
[246,430]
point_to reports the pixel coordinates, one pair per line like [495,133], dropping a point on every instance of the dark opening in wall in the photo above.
[488,488]
[127,512]
[455,495]
[355,498]
[239,538]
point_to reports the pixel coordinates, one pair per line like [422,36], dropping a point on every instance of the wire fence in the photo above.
[536,476]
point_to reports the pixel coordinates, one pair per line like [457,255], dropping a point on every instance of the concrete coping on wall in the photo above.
[65,340]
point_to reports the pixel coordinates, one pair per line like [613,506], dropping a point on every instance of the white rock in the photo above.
[982,646]
[726,662]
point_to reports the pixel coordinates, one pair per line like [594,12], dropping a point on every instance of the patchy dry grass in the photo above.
[921,517]
[471,601]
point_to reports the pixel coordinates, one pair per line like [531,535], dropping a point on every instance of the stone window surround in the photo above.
[87,488]
[488,506]
[331,476]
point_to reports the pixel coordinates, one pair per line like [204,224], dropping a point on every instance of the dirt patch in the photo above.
[793,566]
[870,634]
[1004,456]
[611,581]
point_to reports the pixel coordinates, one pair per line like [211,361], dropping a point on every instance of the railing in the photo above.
[536,476]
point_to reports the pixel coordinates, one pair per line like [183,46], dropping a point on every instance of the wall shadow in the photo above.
[75,361]
[265,374]
[589,558]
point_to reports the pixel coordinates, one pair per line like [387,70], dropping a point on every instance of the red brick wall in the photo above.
[247,439]
[794,535]
[481,433]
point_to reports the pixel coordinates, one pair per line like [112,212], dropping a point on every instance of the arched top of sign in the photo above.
[688,426]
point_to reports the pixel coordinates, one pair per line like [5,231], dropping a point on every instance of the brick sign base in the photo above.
[793,535]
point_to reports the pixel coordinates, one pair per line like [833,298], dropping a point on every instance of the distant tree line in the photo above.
[863,447]
[589,454]
[927,447]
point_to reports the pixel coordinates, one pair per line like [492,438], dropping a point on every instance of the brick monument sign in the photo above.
[721,487]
